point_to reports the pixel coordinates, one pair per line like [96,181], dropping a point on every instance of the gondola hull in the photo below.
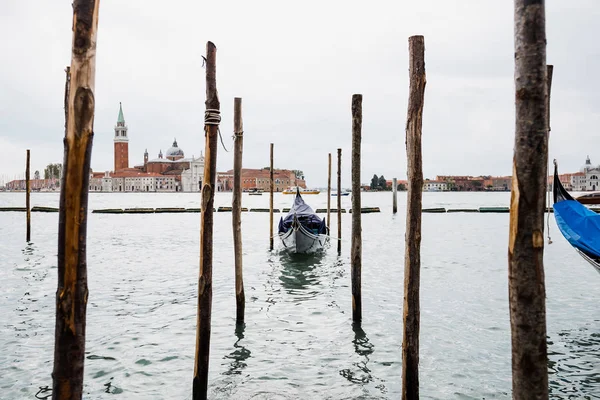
[578,224]
[297,240]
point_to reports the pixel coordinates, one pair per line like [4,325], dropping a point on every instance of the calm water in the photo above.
[298,341]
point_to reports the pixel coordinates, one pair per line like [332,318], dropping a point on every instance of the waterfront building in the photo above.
[171,173]
[435,186]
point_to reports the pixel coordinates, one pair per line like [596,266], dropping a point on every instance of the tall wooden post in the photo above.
[329,194]
[526,288]
[356,252]
[72,291]
[271,201]
[28,198]
[236,207]
[550,71]
[395,196]
[339,200]
[412,258]
[212,119]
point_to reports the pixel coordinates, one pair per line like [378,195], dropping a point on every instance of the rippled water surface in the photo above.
[298,341]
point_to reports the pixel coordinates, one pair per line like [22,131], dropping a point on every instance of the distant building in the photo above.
[435,186]
[171,173]
[259,179]
[592,176]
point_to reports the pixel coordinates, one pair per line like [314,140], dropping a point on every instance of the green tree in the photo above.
[374,182]
[401,186]
[53,171]
[299,174]
[382,183]
[36,175]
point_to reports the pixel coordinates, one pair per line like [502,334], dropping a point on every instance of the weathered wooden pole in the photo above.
[72,291]
[339,200]
[212,118]
[236,207]
[412,258]
[329,195]
[356,252]
[395,196]
[28,198]
[550,71]
[526,288]
[271,201]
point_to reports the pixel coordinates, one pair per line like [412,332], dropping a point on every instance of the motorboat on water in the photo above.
[293,190]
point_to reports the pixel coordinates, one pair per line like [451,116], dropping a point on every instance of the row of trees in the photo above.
[380,183]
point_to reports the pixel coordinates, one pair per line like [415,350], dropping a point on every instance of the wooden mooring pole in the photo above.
[356,252]
[72,290]
[395,196]
[271,201]
[236,207]
[526,288]
[212,118]
[28,198]
[339,200]
[329,194]
[412,258]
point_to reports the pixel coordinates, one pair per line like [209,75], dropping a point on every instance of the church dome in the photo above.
[174,150]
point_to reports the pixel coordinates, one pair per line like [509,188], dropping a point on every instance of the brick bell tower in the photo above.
[121,143]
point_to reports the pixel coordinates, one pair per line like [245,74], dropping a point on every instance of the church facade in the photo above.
[171,172]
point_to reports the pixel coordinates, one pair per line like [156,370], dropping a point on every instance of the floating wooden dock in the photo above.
[173,210]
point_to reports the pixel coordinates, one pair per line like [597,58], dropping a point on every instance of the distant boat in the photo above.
[578,224]
[302,231]
[592,198]
[344,193]
[293,190]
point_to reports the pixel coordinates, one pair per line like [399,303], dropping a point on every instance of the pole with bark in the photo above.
[271,201]
[395,196]
[356,252]
[329,195]
[526,288]
[339,200]
[236,207]
[412,258]
[212,118]
[72,291]
[28,199]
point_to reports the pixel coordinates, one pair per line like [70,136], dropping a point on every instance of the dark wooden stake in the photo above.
[329,195]
[339,201]
[526,288]
[356,252]
[28,198]
[211,128]
[412,258]
[271,201]
[72,291]
[395,196]
[550,69]
[236,207]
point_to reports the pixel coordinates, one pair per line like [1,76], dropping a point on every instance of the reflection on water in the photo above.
[573,366]
[44,393]
[239,356]
[299,272]
[364,348]
[297,342]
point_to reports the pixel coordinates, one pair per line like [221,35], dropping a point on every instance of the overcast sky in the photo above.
[296,68]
